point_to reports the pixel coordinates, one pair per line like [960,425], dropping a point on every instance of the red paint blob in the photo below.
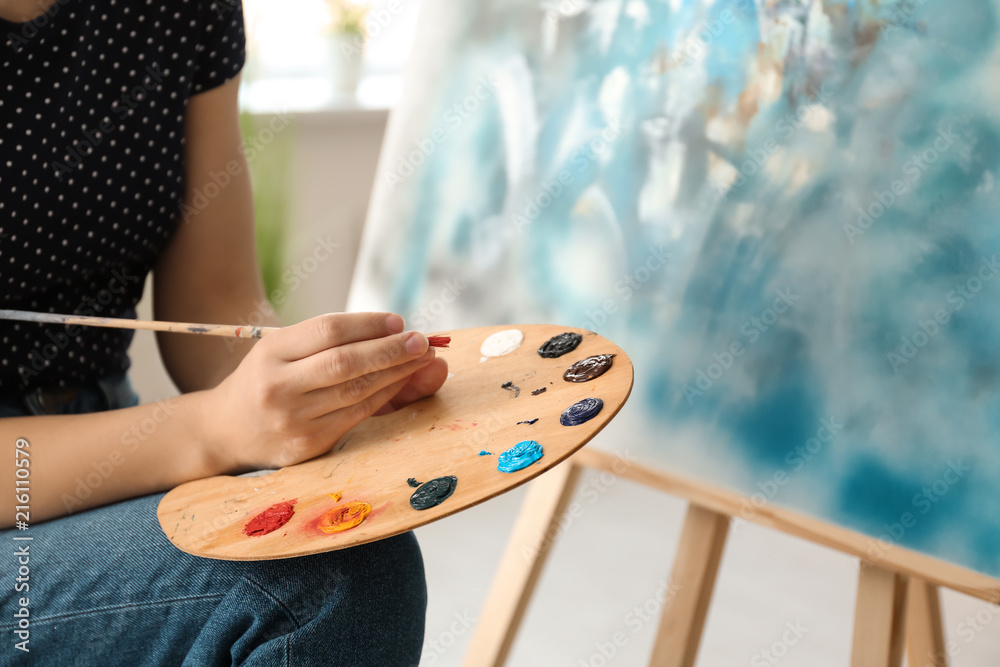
[439,341]
[271,519]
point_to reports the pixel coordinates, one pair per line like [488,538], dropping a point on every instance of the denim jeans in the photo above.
[107,588]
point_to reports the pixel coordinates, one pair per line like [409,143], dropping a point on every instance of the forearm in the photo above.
[77,462]
[201,362]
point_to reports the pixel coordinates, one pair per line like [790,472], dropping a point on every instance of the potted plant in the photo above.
[346,36]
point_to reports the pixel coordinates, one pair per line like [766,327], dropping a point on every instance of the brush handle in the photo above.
[227,330]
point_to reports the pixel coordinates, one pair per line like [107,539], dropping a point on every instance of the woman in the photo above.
[113,114]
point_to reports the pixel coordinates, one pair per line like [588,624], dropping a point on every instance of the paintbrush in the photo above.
[228,330]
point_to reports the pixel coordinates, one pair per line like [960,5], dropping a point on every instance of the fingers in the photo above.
[355,360]
[344,395]
[317,334]
[341,421]
[425,382]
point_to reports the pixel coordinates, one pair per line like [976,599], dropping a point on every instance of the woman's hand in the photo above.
[301,388]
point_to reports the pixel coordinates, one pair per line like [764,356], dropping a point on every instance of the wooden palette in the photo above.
[442,435]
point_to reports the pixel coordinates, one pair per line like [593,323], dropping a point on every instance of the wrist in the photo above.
[211,443]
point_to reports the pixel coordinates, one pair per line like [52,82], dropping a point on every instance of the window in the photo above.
[293,62]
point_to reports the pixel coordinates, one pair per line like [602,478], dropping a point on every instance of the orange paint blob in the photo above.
[336,496]
[344,517]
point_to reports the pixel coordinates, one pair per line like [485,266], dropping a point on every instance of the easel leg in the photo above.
[924,632]
[521,565]
[879,618]
[695,568]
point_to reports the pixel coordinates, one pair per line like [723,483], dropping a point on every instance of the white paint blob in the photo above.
[501,343]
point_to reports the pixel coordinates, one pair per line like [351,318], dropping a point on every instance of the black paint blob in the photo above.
[581,411]
[433,493]
[528,421]
[539,391]
[559,345]
[413,482]
[589,368]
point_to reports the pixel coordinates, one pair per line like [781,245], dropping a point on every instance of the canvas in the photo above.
[785,212]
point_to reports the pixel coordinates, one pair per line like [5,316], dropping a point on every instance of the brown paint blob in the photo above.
[270,520]
[589,368]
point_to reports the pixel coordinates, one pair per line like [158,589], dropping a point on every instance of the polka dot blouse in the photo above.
[93,97]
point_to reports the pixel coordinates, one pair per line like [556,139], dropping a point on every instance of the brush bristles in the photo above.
[439,341]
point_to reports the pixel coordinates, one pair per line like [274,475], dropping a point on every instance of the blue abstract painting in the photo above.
[785,211]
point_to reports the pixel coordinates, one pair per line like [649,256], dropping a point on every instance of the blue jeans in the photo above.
[107,588]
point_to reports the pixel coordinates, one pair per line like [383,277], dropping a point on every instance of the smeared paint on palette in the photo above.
[463,446]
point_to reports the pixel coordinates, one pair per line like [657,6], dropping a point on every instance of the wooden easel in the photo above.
[898,605]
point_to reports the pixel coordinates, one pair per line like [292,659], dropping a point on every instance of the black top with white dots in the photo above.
[93,97]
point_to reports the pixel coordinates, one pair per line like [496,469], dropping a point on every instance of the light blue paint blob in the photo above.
[485,453]
[521,455]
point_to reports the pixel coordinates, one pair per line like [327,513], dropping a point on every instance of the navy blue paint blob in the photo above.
[433,493]
[528,421]
[559,345]
[521,455]
[581,411]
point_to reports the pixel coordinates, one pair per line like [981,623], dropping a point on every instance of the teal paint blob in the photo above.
[521,455]
[485,453]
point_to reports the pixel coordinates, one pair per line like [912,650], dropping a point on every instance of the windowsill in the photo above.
[376,93]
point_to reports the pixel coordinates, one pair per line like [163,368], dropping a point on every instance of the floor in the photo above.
[779,600]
